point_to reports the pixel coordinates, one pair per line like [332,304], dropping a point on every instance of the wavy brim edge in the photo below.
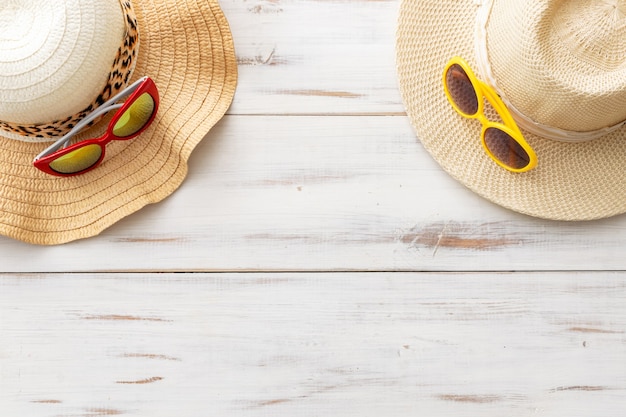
[187,48]
[573,181]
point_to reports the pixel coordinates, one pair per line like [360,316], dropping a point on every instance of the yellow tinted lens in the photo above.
[135,117]
[78,160]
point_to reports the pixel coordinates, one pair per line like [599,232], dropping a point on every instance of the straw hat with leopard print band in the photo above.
[60,60]
[559,65]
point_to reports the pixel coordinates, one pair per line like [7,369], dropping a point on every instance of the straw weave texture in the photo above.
[556,55]
[187,49]
[573,181]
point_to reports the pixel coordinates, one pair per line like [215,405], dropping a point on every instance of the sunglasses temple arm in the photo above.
[498,105]
[64,141]
[125,92]
[104,108]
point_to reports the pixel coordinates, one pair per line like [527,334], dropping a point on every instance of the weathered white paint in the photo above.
[289,344]
[315,57]
[316,168]
[325,193]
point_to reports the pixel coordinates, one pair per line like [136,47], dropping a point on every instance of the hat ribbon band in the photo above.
[523,121]
[119,77]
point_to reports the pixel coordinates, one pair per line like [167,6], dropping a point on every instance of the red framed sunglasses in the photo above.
[133,116]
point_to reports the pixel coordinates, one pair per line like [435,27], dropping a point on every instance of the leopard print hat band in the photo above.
[60,61]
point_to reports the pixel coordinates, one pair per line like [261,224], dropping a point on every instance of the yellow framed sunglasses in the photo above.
[503,142]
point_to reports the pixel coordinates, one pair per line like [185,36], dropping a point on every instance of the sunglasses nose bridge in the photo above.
[482,118]
[104,139]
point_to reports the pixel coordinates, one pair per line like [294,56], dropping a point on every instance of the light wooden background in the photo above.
[317,262]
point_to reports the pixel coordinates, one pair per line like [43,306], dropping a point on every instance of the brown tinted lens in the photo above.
[461,90]
[77,160]
[506,149]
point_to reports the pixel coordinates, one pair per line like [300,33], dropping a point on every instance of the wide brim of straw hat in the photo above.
[186,47]
[572,181]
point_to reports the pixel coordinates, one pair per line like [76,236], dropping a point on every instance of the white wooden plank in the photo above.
[544,344]
[314,57]
[325,193]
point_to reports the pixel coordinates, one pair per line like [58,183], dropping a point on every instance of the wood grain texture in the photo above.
[315,57]
[320,208]
[325,193]
[286,344]
[316,167]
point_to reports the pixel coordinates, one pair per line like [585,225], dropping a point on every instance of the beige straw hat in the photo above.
[59,60]
[560,66]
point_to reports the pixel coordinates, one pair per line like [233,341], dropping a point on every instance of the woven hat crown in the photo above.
[560,63]
[58,61]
